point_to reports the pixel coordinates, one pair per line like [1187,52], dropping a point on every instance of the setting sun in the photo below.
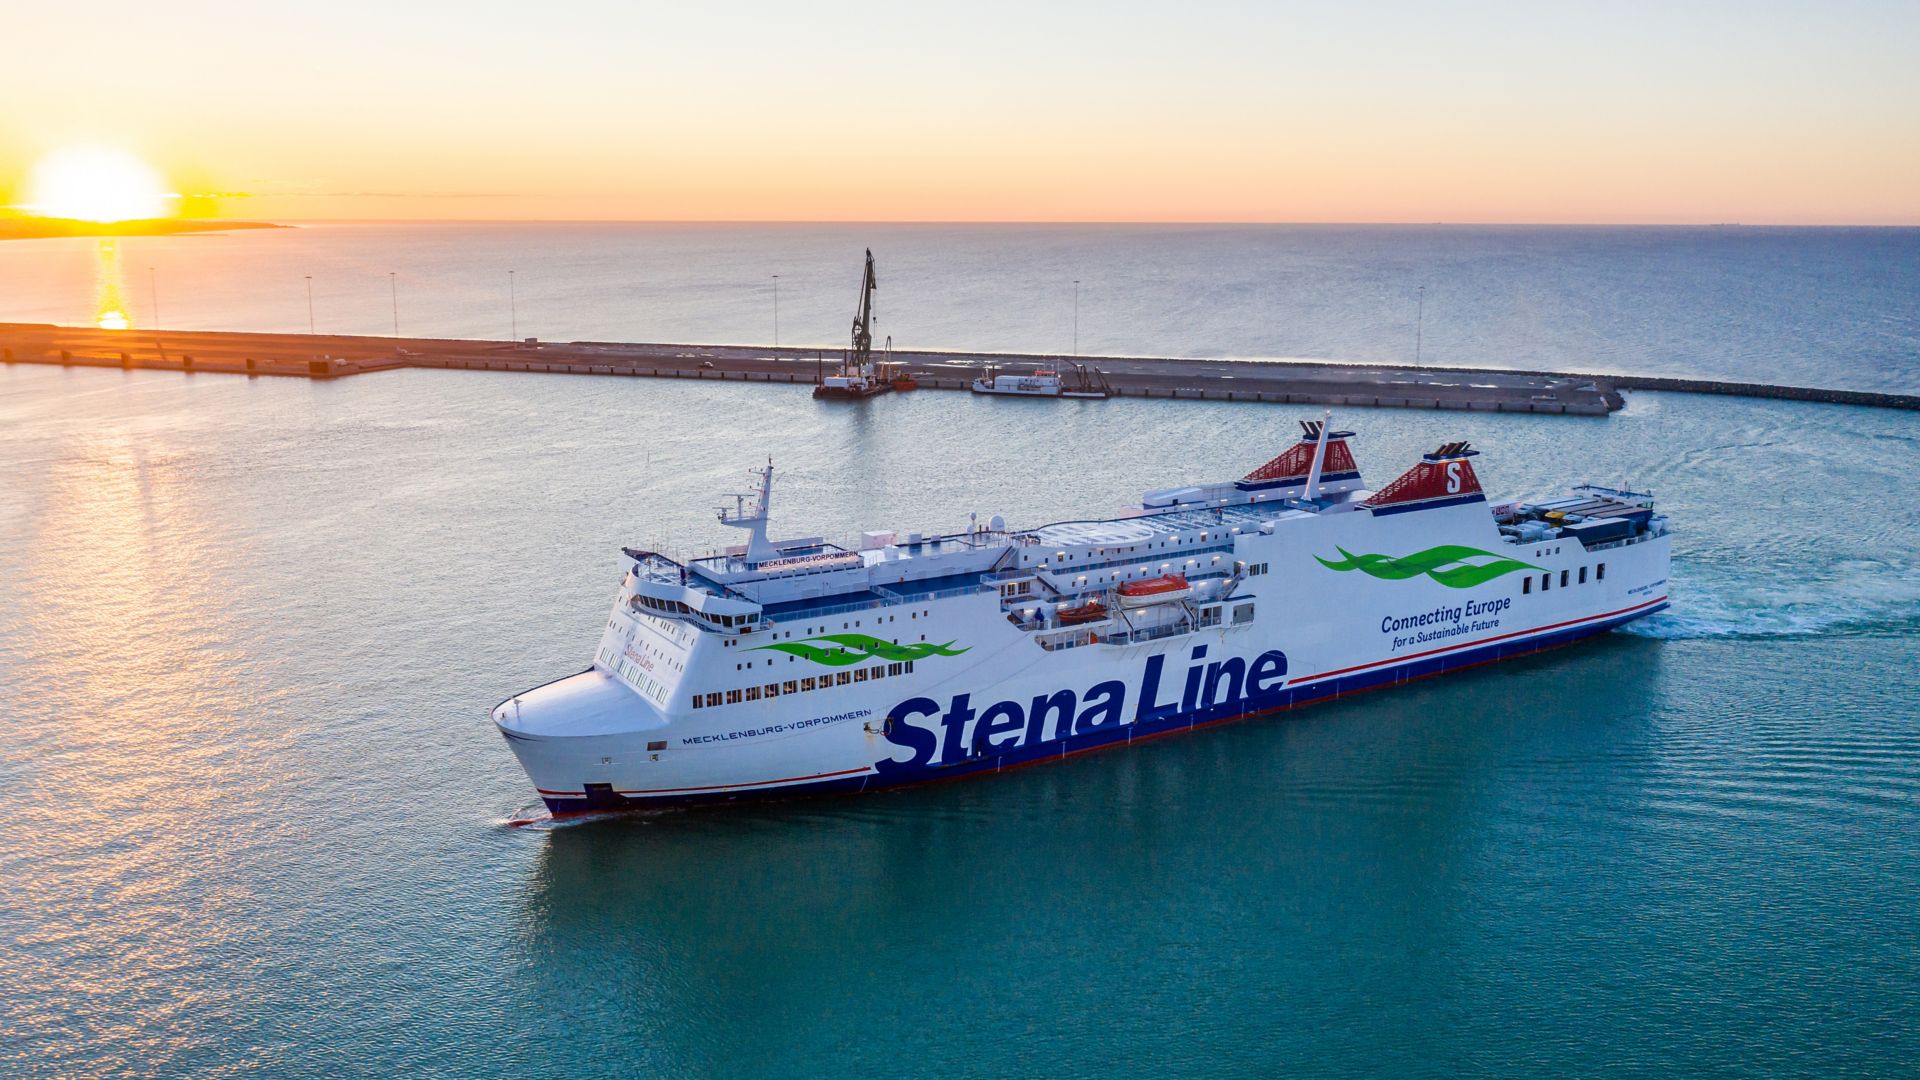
[97,184]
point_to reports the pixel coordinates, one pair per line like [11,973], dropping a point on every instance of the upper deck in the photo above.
[1193,532]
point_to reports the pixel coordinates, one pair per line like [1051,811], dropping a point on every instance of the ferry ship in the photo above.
[790,667]
[1085,383]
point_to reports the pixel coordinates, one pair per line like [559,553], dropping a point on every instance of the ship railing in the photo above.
[915,598]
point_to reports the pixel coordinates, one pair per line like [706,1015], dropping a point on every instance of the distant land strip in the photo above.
[1285,382]
[35,228]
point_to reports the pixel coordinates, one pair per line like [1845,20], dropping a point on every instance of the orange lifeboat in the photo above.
[1091,611]
[1164,589]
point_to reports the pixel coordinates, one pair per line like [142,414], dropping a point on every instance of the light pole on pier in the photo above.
[153,291]
[513,308]
[776,311]
[1419,321]
[393,284]
[1076,317]
[310,330]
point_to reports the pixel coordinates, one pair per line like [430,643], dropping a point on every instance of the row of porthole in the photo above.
[1546,579]
[801,686]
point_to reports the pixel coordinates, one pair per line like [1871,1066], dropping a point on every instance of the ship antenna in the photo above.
[738,516]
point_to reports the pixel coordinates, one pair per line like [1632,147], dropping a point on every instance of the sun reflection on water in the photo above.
[110,311]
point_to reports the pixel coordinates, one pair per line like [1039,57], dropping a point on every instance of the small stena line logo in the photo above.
[1453,478]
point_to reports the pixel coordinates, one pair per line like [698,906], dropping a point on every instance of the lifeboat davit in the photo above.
[1164,589]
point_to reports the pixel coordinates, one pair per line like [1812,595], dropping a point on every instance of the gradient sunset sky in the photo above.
[1468,112]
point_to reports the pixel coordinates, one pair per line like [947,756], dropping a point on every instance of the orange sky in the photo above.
[1397,112]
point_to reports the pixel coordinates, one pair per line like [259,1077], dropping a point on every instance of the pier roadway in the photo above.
[1269,381]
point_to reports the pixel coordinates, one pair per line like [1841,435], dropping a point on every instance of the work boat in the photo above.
[1083,382]
[789,667]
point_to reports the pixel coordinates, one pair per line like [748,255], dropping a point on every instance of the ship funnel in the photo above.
[1290,469]
[1442,478]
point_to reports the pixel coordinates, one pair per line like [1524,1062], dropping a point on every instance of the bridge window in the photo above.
[1563,578]
[1600,572]
[1526,584]
[1583,575]
[1546,582]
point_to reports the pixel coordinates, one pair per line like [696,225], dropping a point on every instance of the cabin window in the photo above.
[1583,575]
[1563,578]
[713,699]
[790,687]
[909,667]
[843,678]
[753,693]
[1526,584]
[772,689]
[733,697]
[1600,572]
[806,683]
[861,675]
[1546,582]
[893,669]
[697,701]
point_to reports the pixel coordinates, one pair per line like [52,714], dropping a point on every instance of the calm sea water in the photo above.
[1822,307]
[251,630]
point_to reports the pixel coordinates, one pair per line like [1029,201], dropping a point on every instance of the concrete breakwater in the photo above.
[1263,381]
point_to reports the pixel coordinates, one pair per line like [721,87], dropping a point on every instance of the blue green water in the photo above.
[250,631]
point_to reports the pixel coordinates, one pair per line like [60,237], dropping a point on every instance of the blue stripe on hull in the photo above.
[1290,698]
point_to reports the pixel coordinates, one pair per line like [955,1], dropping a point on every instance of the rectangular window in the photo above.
[733,697]
[1583,575]
[860,675]
[753,693]
[790,687]
[1600,572]
[843,678]
[1526,584]
[698,701]
[713,699]
[893,669]
[1546,582]
[772,690]
[806,683]
[1563,578]
[909,667]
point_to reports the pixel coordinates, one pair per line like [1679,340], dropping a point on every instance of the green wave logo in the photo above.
[845,650]
[1447,564]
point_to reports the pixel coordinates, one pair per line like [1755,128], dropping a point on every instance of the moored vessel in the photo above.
[785,667]
[1081,381]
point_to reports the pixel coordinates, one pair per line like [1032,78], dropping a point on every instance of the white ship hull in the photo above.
[927,683]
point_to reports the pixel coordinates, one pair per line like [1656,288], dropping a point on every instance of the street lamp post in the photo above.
[310,330]
[1419,321]
[513,308]
[393,284]
[1076,317]
[776,311]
